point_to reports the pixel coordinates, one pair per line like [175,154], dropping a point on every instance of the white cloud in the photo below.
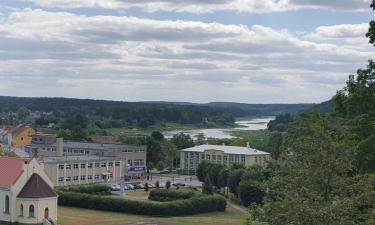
[129,58]
[196,6]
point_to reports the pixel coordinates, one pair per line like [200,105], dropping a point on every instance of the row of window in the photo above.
[231,157]
[7,206]
[89,165]
[82,178]
[137,150]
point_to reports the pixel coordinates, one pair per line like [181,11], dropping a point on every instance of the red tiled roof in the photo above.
[10,170]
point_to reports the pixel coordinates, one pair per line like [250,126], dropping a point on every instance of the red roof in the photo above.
[10,170]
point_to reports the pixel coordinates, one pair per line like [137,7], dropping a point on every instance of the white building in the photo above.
[221,154]
[26,194]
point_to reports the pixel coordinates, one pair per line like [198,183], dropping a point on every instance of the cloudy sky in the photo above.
[268,51]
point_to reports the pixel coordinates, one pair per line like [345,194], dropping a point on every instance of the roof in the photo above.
[11,168]
[16,130]
[36,187]
[97,146]
[76,158]
[226,149]
[91,146]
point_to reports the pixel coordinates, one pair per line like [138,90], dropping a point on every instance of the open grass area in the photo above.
[77,216]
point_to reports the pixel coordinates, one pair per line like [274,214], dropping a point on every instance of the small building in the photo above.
[19,136]
[26,193]
[226,155]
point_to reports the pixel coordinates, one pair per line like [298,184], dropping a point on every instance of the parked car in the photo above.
[115,187]
[129,187]
[179,184]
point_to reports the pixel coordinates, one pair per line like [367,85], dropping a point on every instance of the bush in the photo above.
[163,195]
[97,189]
[199,204]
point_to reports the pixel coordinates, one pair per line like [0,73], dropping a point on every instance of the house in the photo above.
[26,193]
[221,154]
[19,136]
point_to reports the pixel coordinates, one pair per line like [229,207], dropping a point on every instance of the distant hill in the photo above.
[177,111]
[242,109]
[327,106]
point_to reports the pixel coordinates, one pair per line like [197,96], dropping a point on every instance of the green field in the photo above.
[77,216]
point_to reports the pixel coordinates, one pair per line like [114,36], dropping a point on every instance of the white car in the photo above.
[115,187]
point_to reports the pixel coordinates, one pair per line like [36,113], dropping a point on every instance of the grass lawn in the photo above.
[77,216]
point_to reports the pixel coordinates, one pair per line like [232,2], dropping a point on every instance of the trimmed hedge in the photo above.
[194,205]
[97,189]
[164,195]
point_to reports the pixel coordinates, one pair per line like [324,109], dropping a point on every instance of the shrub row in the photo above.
[97,189]
[164,195]
[198,204]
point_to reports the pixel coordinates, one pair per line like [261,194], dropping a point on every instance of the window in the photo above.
[214,157]
[243,158]
[75,178]
[219,157]
[68,179]
[139,162]
[89,165]
[31,211]
[117,163]
[6,204]
[86,152]
[83,177]
[208,157]
[61,179]
[104,164]
[75,166]
[21,210]
[61,166]
[97,164]
[110,164]
[89,177]
[68,167]
[83,165]
[96,177]
[225,158]
[130,162]
[231,158]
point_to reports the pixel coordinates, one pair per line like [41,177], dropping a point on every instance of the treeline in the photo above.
[243,110]
[108,114]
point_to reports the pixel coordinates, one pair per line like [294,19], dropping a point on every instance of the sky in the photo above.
[250,51]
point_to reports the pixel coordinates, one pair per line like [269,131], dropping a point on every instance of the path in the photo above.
[236,207]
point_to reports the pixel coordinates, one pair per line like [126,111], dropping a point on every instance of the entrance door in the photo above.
[46,213]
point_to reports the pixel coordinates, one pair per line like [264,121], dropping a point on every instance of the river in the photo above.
[253,124]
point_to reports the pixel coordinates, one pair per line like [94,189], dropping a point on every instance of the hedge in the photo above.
[194,205]
[97,189]
[164,195]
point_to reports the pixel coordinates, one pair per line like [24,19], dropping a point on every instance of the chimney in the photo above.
[59,146]
[247,144]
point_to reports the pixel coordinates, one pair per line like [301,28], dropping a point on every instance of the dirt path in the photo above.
[236,207]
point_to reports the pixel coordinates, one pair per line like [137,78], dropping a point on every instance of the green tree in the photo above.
[182,141]
[22,113]
[207,186]
[371,32]
[202,170]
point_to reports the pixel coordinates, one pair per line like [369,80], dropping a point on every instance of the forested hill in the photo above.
[12,104]
[143,114]
[242,109]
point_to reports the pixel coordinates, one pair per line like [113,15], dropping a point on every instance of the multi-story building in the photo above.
[226,155]
[85,169]
[68,163]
